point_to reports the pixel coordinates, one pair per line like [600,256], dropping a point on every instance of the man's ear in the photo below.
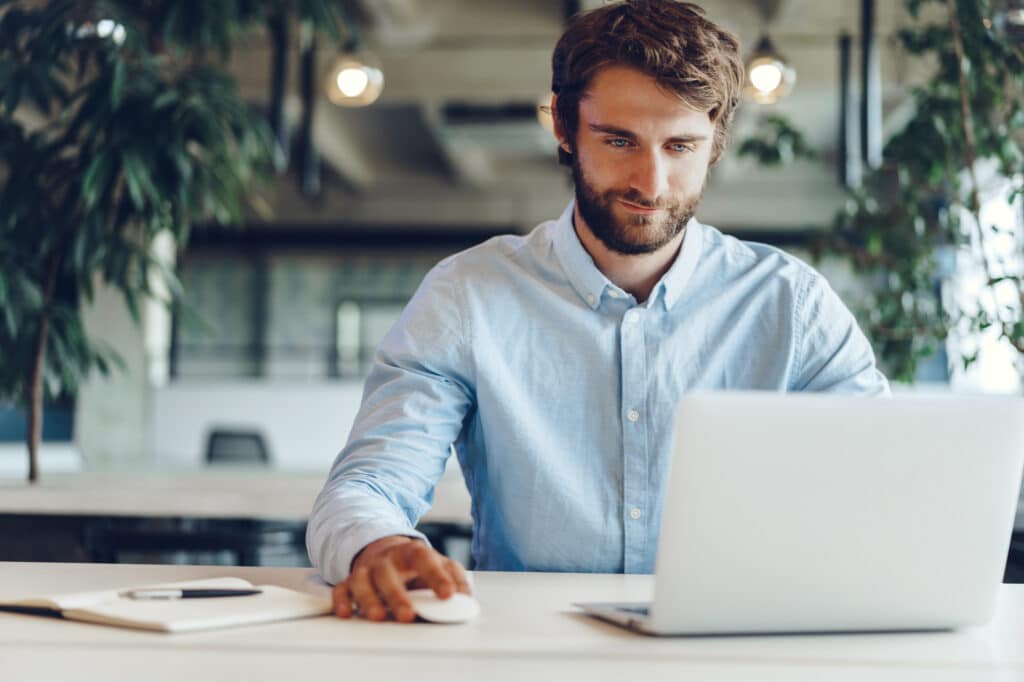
[559,132]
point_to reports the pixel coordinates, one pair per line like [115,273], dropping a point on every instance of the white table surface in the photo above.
[528,630]
[207,493]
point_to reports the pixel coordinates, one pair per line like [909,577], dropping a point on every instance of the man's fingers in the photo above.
[380,583]
[390,585]
[429,566]
[458,573]
[342,600]
[361,587]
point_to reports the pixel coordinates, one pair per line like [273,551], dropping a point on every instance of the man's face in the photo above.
[640,161]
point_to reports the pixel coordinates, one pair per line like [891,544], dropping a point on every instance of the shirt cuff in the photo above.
[343,548]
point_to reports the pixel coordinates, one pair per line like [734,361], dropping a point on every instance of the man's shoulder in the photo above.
[730,256]
[494,255]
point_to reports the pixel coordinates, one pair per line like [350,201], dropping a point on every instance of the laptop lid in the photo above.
[815,512]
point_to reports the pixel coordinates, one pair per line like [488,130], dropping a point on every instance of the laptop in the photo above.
[830,513]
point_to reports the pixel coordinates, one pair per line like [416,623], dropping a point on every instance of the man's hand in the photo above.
[385,570]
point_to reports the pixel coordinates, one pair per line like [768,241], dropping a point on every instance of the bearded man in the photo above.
[554,361]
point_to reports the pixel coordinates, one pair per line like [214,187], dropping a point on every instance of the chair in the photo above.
[233,447]
[244,542]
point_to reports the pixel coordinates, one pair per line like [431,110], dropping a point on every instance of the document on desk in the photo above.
[111,607]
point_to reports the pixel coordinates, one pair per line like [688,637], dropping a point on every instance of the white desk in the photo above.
[528,630]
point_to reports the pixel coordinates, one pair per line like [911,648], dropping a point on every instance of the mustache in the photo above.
[634,197]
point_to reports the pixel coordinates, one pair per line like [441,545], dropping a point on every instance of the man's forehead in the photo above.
[621,96]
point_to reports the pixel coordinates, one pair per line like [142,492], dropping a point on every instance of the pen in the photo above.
[186,594]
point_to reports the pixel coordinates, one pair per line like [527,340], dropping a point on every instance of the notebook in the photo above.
[107,607]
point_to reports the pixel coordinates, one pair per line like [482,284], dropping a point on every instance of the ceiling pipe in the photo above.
[848,158]
[871,94]
[278,28]
[309,158]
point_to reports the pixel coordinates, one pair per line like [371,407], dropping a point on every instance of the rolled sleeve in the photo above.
[416,397]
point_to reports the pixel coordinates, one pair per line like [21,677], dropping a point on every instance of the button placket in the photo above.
[634,438]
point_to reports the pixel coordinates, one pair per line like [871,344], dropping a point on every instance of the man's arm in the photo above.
[832,353]
[415,399]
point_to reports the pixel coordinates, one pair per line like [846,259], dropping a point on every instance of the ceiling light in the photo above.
[769,75]
[354,79]
[105,29]
[1007,20]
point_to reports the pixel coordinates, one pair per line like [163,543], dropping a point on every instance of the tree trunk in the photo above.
[34,432]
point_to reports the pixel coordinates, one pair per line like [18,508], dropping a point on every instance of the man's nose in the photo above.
[649,175]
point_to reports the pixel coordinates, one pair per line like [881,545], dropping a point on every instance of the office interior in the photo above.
[208,441]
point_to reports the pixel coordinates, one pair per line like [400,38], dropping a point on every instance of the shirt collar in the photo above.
[591,284]
[674,281]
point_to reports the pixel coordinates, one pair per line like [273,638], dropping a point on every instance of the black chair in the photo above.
[231,447]
[241,542]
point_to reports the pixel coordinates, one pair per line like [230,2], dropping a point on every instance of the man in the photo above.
[554,361]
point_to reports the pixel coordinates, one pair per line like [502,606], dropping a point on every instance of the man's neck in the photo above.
[636,274]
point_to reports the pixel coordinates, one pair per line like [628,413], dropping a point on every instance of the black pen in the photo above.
[186,594]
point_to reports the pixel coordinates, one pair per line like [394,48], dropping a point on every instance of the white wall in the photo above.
[111,412]
[303,424]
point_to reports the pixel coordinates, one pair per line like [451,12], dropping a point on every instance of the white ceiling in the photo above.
[404,162]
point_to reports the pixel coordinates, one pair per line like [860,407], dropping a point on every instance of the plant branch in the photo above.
[34,432]
[967,124]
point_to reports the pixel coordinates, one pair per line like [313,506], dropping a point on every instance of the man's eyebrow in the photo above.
[622,132]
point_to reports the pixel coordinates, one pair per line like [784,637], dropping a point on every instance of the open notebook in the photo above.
[179,615]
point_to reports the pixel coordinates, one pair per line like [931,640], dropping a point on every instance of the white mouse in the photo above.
[459,608]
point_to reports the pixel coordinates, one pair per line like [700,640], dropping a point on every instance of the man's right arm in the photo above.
[416,396]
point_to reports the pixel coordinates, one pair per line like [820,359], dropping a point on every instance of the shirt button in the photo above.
[632,415]
[591,299]
[635,513]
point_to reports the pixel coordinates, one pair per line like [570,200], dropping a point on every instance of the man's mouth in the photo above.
[636,208]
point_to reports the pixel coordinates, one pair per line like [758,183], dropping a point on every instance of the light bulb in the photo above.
[766,77]
[769,76]
[352,82]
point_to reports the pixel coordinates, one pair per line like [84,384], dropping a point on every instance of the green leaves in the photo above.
[922,204]
[117,83]
[137,139]
[776,142]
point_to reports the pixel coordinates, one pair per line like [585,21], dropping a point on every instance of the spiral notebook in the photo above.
[108,607]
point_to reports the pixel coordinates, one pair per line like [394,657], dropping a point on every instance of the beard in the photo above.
[636,234]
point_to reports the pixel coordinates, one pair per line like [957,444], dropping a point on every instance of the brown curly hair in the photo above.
[668,40]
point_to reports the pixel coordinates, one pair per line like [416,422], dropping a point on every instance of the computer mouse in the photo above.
[459,608]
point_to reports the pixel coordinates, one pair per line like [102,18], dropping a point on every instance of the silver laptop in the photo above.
[818,513]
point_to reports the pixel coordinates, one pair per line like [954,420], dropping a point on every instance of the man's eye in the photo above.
[618,142]
[681,147]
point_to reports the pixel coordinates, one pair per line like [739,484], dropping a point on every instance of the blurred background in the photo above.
[226,205]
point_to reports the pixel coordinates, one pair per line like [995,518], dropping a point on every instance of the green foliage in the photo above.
[104,146]
[776,142]
[921,204]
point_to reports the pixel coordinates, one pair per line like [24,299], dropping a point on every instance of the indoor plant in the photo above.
[118,124]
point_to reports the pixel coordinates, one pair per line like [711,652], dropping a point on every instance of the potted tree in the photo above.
[118,124]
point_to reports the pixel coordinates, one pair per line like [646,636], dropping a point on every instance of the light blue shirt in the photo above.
[558,390]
